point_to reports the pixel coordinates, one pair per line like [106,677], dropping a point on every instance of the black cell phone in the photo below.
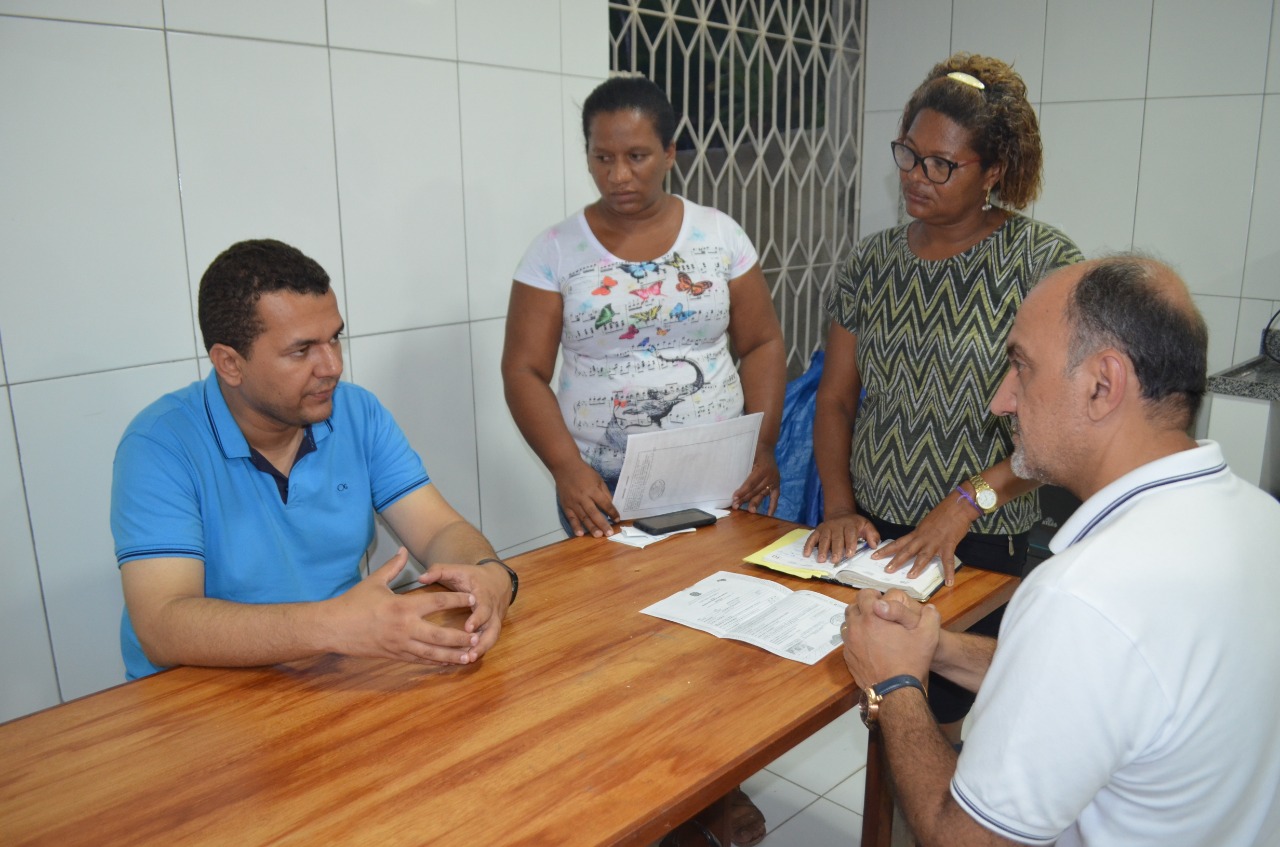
[673,521]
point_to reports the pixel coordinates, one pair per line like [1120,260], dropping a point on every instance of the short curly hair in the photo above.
[233,282]
[1001,123]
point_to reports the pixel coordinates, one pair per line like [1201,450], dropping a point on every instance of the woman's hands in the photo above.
[938,534]
[837,536]
[763,481]
[585,499]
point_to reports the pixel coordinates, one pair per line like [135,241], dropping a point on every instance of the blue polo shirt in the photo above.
[184,486]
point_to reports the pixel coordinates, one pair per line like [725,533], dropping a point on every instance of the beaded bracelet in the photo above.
[967,496]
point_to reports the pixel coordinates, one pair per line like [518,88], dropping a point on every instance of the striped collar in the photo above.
[1183,467]
[226,432]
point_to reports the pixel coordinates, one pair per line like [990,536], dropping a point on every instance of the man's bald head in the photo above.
[1141,307]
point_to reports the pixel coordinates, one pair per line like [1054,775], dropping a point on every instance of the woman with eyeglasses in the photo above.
[919,316]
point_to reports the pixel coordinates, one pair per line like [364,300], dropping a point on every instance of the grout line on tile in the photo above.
[337,176]
[466,265]
[35,552]
[192,300]
[27,17]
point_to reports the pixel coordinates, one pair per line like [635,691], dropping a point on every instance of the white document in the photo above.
[689,467]
[800,625]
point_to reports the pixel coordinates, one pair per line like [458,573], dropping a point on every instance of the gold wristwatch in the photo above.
[984,494]
[869,701]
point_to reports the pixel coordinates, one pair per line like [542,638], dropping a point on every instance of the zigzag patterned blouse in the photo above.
[931,355]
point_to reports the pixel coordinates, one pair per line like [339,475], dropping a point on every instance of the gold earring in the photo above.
[986,207]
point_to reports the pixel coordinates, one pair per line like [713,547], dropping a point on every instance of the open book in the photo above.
[859,570]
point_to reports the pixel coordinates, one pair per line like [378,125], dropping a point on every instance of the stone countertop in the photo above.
[1258,378]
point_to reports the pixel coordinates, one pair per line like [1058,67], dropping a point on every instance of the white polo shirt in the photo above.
[1136,698]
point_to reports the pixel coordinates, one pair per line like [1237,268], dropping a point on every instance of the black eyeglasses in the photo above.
[936,169]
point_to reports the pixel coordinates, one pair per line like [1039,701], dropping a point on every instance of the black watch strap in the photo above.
[515,580]
[871,698]
[893,683]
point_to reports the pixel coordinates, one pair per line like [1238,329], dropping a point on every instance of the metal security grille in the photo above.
[769,98]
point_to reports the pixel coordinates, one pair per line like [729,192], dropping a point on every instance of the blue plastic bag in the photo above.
[800,491]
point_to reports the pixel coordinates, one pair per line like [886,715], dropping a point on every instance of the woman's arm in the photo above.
[835,408]
[945,526]
[756,338]
[534,322]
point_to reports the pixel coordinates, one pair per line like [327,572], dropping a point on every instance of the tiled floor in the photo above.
[812,795]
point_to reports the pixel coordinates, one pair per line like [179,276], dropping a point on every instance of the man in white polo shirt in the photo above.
[1132,699]
[242,505]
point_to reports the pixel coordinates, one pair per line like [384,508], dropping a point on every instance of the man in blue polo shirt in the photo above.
[241,505]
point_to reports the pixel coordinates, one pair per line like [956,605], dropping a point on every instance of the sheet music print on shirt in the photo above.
[644,344]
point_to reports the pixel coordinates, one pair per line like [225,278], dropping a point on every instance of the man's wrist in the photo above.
[515,580]
[872,697]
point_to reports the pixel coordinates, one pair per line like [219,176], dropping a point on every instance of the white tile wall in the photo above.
[579,189]
[1262,263]
[67,434]
[910,37]
[517,493]
[400,179]
[1117,36]
[881,197]
[134,154]
[280,20]
[513,170]
[514,33]
[581,50]
[1254,315]
[254,128]
[414,27]
[1273,63]
[1195,187]
[1010,29]
[1220,314]
[145,13]
[26,663]
[91,219]
[1091,176]
[1208,48]
[424,377]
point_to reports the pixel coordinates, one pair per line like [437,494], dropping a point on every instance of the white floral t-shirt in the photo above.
[644,344]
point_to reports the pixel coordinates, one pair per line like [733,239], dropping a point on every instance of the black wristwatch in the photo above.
[869,701]
[515,580]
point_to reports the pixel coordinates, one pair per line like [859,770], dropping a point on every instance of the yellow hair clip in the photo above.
[967,79]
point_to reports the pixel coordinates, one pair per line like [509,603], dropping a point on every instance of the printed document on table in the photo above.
[800,625]
[690,467]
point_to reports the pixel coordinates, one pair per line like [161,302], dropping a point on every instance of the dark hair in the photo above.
[631,93]
[1001,123]
[233,282]
[1120,302]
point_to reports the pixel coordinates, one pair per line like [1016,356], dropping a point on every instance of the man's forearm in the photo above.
[458,543]
[921,765]
[218,633]
[963,658]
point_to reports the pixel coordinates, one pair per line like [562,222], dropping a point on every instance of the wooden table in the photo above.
[589,723]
